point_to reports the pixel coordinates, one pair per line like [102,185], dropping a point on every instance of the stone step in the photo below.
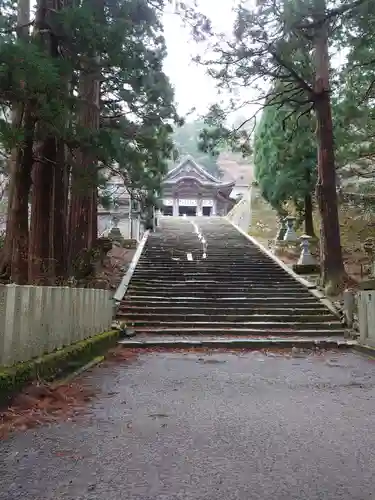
[182,286]
[214,275]
[183,263]
[259,332]
[223,301]
[292,285]
[199,293]
[182,277]
[204,267]
[259,325]
[236,291]
[222,263]
[230,342]
[156,307]
[199,316]
[183,281]
[176,270]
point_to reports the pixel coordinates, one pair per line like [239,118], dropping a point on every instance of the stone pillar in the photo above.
[175,207]
[213,211]
[199,207]
[349,307]
[130,217]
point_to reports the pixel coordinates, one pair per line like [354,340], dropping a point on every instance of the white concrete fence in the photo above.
[35,320]
[366,317]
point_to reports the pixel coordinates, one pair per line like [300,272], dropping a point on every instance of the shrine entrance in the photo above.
[189,211]
[190,190]
[168,210]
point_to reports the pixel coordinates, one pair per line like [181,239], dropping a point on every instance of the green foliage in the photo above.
[122,42]
[284,157]
[355,95]
[217,135]
[273,42]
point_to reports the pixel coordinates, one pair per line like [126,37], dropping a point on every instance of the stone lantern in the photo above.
[290,234]
[306,259]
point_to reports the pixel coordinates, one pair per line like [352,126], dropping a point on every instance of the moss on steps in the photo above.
[54,364]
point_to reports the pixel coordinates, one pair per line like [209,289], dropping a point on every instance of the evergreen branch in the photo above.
[18,28]
[343,9]
[292,72]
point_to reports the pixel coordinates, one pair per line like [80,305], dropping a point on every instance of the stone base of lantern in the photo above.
[115,235]
[279,245]
[306,268]
[291,244]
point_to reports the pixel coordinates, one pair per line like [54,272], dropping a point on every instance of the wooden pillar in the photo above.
[175,207]
[199,207]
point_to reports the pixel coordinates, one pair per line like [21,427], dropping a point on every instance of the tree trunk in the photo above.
[332,267]
[7,250]
[94,216]
[79,218]
[60,214]
[308,207]
[40,265]
[309,222]
[20,206]
[23,19]
[83,206]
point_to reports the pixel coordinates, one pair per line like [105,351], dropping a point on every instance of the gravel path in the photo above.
[220,426]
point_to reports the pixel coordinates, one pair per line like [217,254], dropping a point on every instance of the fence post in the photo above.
[66,312]
[12,325]
[3,297]
[28,347]
[362,316]
[349,307]
[47,318]
[80,303]
[371,317]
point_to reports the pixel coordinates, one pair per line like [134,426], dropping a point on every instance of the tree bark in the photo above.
[309,221]
[41,267]
[23,19]
[20,206]
[94,216]
[332,267]
[83,206]
[40,264]
[60,214]
[308,208]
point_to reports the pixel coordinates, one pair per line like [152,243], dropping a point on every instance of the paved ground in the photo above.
[219,427]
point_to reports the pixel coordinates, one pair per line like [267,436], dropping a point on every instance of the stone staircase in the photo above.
[202,277]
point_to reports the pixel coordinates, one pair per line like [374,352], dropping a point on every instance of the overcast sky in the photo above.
[193,87]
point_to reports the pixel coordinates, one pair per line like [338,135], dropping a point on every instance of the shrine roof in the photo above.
[188,168]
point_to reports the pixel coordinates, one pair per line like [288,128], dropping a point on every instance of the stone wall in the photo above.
[240,214]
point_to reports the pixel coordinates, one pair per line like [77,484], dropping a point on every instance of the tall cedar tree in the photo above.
[92,99]
[279,41]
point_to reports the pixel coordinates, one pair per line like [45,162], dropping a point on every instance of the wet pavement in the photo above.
[219,426]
